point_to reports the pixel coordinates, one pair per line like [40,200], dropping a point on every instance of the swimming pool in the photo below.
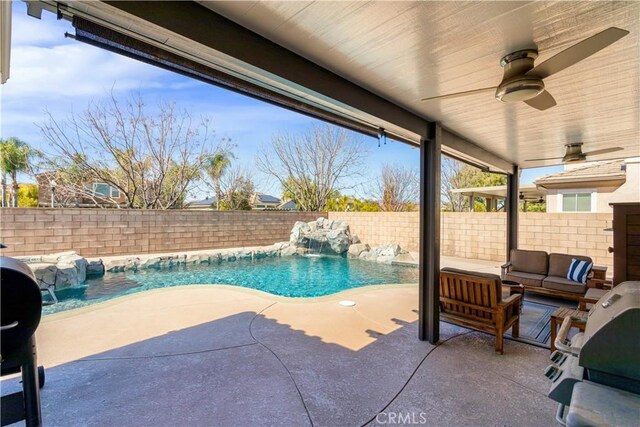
[291,276]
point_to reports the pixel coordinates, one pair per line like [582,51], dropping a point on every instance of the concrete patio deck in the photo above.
[220,355]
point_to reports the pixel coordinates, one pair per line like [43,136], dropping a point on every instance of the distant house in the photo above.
[289,205]
[591,187]
[585,187]
[495,196]
[259,201]
[263,201]
[208,203]
[85,195]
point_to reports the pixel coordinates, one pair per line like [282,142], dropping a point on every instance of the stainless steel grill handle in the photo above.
[560,415]
[561,338]
[9,326]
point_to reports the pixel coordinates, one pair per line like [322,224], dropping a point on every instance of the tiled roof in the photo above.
[265,198]
[600,170]
[289,206]
[204,202]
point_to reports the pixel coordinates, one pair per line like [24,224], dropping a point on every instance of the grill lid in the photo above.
[611,345]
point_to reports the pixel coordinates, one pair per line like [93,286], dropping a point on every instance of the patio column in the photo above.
[512,210]
[429,295]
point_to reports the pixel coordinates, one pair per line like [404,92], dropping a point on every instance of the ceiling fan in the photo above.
[574,153]
[538,199]
[522,81]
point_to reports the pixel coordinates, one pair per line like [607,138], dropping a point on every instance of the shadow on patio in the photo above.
[264,361]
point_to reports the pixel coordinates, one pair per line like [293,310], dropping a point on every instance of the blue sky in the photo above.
[58,74]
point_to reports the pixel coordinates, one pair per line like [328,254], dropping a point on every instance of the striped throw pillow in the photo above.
[578,270]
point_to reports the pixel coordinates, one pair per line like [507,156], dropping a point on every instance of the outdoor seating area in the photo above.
[547,274]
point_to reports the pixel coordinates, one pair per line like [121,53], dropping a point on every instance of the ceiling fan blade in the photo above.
[542,102]
[578,52]
[458,94]
[546,158]
[603,151]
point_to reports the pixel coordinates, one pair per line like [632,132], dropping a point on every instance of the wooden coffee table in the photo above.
[578,320]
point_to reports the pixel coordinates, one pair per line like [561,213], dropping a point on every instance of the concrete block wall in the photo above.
[106,232]
[483,235]
[381,228]
[474,235]
[579,234]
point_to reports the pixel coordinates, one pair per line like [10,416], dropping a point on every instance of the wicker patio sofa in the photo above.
[474,300]
[544,273]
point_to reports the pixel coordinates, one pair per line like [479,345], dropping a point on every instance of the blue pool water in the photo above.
[296,276]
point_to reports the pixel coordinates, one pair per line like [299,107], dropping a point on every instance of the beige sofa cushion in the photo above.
[527,279]
[563,284]
[559,263]
[535,262]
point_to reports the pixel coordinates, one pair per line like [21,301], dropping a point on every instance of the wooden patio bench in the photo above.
[474,300]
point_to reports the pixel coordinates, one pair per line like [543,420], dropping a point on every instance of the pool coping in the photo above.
[234,288]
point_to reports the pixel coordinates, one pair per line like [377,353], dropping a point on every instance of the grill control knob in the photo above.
[552,372]
[558,358]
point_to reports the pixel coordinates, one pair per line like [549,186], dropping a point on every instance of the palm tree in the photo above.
[15,157]
[216,166]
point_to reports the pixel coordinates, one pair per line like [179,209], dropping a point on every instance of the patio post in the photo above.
[512,210]
[429,315]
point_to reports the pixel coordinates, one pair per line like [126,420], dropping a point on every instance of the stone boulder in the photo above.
[66,275]
[64,269]
[338,240]
[115,265]
[298,232]
[356,249]
[384,254]
[150,262]
[95,268]
[389,250]
[288,250]
[368,255]
[322,235]
[45,274]
[198,258]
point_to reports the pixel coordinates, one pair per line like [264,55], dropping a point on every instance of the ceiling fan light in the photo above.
[519,90]
[574,158]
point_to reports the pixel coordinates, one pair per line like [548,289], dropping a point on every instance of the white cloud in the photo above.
[73,70]
[57,74]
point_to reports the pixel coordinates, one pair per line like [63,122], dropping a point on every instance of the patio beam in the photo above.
[512,203]
[208,28]
[252,52]
[466,151]
[429,274]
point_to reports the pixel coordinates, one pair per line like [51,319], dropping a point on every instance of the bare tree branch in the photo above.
[314,165]
[153,160]
[397,189]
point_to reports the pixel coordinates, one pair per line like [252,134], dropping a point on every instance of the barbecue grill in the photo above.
[596,374]
[21,302]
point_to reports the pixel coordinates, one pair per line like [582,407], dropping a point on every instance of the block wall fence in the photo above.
[479,235]
[106,232]
[96,232]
